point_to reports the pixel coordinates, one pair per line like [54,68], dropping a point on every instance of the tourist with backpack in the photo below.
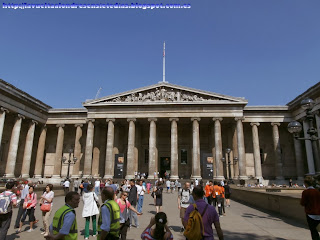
[161,230]
[8,199]
[199,218]
[184,200]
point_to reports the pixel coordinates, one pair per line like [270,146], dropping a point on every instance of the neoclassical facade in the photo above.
[154,129]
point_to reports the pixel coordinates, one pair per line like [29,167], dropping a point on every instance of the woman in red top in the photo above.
[29,205]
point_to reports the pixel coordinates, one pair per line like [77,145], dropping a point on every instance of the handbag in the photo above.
[45,207]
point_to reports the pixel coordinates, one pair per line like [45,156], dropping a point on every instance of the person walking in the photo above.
[109,217]
[184,201]
[29,205]
[310,199]
[208,213]
[161,230]
[66,186]
[148,187]
[133,198]
[23,195]
[97,186]
[6,214]
[140,190]
[64,225]
[76,185]
[46,207]
[90,210]
[158,196]
[208,193]
[168,185]
[81,187]
[124,205]
[227,191]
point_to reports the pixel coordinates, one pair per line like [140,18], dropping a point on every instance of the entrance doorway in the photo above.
[164,166]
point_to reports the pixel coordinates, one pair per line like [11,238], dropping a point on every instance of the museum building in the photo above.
[186,132]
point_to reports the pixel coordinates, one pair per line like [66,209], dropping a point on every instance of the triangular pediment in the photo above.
[163,93]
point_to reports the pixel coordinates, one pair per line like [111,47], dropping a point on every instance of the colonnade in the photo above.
[132,165]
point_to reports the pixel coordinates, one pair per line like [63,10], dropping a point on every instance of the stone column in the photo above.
[153,163]
[28,151]
[59,151]
[40,153]
[299,158]
[256,151]
[235,153]
[77,151]
[218,148]
[277,150]
[89,148]
[317,124]
[130,154]
[310,160]
[3,112]
[241,150]
[196,169]
[174,149]
[13,147]
[109,166]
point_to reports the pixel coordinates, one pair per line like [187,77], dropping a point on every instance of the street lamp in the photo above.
[295,128]
[64,160]
[228,163]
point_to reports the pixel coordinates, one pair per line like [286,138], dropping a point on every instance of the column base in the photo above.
[129,177]
[260,179]
[174,177]
[75,176]
[37,176]
[108,176]
[196,177]
[219,178]
[25,176]
[243,178]
[9,175]
[86,176]
[55,176]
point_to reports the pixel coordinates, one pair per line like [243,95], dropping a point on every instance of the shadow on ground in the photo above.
[246,236]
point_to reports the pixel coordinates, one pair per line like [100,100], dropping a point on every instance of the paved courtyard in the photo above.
[240,222]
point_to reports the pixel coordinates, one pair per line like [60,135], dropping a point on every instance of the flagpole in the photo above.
[164,62]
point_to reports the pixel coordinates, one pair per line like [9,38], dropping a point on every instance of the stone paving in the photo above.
[240,222]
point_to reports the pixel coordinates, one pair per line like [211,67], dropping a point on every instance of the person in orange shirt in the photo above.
[208,192]
[222,199]
[216,195]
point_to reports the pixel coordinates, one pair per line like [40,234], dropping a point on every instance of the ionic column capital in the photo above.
[34,122]
[78,125]
[4,110]
[21,116]
[60,125]
[152,119]
[217,119]
[195,119]
[173,119]
[275,124]
[110,120]
[239,118]
[90,120]
[255,124]
[131,119]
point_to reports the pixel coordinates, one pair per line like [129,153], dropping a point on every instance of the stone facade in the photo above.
[162,127]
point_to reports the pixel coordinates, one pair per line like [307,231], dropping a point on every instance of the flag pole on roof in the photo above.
[164,62]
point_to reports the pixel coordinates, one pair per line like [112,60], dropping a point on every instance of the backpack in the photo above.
[5,203]
[195,228]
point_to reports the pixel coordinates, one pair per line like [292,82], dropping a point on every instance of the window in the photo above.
[184,156]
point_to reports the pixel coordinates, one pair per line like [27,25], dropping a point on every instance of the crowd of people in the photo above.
[121,204]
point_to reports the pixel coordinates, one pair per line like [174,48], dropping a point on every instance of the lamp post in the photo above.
[69,161]
[295,128]
[228,163]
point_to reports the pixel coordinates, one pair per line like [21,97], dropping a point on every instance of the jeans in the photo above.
[313,227]
[140,203]
[94,226]
[21,212]
[133,215]
[96,190]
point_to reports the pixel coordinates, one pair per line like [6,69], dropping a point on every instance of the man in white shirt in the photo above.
[196,182]
[97,186]
[168,185]
[140,191]
[66,186]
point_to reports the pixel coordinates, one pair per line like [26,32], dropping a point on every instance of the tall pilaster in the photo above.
[40,153]
[277,150]
[130,154]
[28,150]
[89,148]
[299,158]
[59,150]
[153,163]
[317,115]
[174,149]
[196,169]
[13,147]
[77,151]
[256,151]
[241,150]
[109,166]
[218,148]
[234,152]
[3,112]
[310,159]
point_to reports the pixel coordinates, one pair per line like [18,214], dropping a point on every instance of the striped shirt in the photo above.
[13,197]
[146,235]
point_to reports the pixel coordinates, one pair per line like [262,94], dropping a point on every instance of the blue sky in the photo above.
[267,51]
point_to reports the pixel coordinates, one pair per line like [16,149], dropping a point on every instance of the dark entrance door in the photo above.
[164,166]
[119,165]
